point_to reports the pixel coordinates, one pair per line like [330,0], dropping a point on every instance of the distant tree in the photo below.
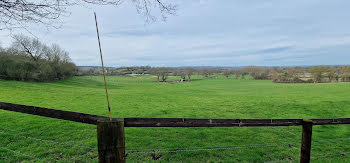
[212,71]
[317,72]
[216,70]
[175,72]
[243,74]
[279,69]
[164,73]
[273,74]
[337,78]
[182,74]
[205,72]
[256,72]
[236,73]
[145,69]
[345,73]
[227,73]
[156,72]
[178,72]
[292,72]
[283,77]
[331,75]
[139,71]
[189,72]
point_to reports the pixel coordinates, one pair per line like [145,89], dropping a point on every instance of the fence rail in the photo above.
[111,136]
[194,122]
[165,122]
[51,113]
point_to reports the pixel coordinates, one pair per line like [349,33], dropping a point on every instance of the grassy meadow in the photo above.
[28,138]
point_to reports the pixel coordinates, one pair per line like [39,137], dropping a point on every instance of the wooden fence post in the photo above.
[111,141]
[306,141]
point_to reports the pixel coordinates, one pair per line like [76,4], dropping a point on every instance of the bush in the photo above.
[43,63]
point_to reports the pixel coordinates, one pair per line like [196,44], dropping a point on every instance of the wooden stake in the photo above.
[306,141]
[111,141]
[103,68]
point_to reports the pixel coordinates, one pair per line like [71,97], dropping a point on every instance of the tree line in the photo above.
[185,73]
[28,59]
[312,74]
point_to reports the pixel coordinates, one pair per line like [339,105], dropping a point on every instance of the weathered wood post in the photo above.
[306,141]
[111,141]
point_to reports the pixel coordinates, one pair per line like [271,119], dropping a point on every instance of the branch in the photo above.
[21,13]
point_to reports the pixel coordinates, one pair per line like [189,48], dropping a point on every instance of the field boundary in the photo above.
[111,135]
[166,122]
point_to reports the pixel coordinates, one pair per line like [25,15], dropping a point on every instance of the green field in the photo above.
[28,138]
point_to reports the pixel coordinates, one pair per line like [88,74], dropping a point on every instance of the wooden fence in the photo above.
[111,136]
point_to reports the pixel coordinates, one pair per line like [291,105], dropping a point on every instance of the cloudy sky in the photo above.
[209,33]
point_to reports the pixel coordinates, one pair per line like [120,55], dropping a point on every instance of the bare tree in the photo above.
[273,74]
[164,73]
[257,72]
[227,73]
[204,72]
[189,71]
[236,73]
[182,74]
[28,46]
[21,13]
[145,7]
[55,52]
[156,72]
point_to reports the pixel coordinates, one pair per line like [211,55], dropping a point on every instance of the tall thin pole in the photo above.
[103,68]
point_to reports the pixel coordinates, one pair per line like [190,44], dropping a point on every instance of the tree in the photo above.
[24,45]
[179,72]
[20,13]
[345,73]
[317,72]
[182,74]
[292,72]
[164,73]
[227,73]
[273,74]
[156,72]
[236,72]
[331,74]
[243,74]
[189,72]
[205,72]
[30,59]
[175,72]
[256,72]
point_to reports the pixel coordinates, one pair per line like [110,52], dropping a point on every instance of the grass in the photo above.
[27,138]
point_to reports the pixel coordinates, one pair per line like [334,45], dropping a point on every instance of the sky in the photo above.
[207,33]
